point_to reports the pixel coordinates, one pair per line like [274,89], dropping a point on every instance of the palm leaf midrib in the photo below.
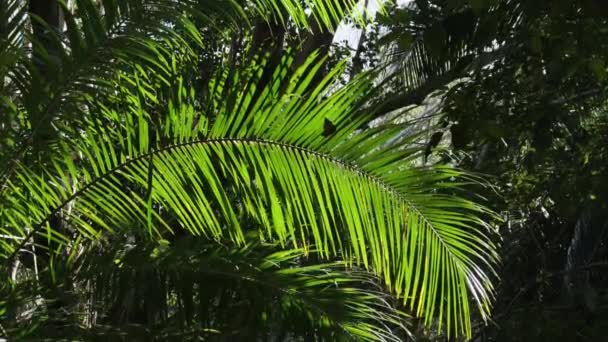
[148,155]
[259,141]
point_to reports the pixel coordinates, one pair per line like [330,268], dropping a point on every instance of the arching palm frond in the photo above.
[266,166]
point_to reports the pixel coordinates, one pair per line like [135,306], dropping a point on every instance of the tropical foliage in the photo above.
[521,91]
[165,176]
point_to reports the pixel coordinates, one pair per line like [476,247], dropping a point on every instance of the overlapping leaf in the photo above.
[100,38]
[221,289]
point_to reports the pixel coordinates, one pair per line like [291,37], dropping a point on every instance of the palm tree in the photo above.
[142,201]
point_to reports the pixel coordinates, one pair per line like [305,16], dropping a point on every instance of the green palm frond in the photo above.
[54,79]
[102,37]
[326,14]
[193,287]
[264,165]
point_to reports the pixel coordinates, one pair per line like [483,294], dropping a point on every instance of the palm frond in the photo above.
[191,286]
[97,42]
[425,53]
[100,39]
[228,172]
[326,14]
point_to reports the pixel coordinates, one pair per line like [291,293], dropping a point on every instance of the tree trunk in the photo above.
[357,61]
[318,39]
[49,12]
[267,40]
[47,21]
